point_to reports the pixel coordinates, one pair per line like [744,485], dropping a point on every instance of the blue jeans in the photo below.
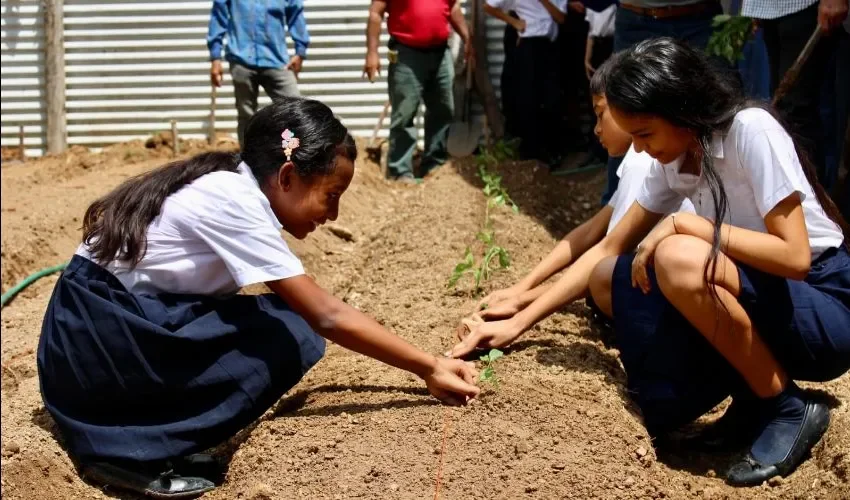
[631,28]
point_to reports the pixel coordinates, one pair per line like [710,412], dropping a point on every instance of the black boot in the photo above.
[152,480]
[792,425]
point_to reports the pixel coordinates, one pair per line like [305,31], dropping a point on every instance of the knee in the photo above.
[679,262]
[601,279]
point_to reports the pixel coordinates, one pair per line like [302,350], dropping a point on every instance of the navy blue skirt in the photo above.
[146,378]
[675,375]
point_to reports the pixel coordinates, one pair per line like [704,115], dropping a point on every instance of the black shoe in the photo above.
[198,465]
[166,485]
[751,472]
[736,427]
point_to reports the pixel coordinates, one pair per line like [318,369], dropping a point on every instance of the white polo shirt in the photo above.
[632,171]
[538,21]
[601,24]
[758,166]
[212,237]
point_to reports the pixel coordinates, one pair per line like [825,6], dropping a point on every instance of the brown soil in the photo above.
[559,425]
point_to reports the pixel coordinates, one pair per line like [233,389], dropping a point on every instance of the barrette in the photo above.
[289,143]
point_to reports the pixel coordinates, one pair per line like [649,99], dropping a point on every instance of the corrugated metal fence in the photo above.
[133,66]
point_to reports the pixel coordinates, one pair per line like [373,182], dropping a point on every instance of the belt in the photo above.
[671,11]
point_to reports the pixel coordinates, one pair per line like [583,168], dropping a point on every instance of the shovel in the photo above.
[793,72]
[465,133]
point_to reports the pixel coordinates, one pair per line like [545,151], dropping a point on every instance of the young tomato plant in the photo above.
[494,256]
[488,374]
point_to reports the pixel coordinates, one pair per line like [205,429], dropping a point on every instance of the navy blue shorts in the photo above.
[675,375]
[143,378]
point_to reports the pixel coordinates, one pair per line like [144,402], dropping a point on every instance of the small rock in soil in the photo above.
[640,452]
[629,482]
[559,466]
[711,473]
[531,488]
[521,447]
[394,487]
[330,456]
[11,448]
[775,481]
[261,492]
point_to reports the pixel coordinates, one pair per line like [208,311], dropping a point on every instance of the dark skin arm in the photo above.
[448,380]
[372,67]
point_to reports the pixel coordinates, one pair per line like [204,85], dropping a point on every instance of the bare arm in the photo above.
[458,22]
[574,283]
[348,327]
[372,67]
[572,246]
[553,11]
[518,24]
[782,251]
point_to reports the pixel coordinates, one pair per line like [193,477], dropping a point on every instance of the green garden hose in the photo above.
[29,280]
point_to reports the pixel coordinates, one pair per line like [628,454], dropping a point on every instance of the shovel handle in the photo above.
[794,71]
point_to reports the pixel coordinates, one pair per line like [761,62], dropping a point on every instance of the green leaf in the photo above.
[504,258]
[495,354]
[486,374]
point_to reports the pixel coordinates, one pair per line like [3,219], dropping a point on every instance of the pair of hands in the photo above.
[492,326]
[372,67]
[217,73]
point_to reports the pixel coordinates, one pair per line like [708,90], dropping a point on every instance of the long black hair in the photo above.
[115,226]
[668,79]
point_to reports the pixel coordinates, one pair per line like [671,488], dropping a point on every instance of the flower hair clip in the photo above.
[289,143]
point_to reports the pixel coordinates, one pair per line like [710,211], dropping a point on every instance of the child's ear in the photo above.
[284,176]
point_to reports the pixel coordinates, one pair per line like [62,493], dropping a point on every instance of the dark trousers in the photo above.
[508,81]
[536,95]
[419,76]
[278,83]
[785,38]
[631,28]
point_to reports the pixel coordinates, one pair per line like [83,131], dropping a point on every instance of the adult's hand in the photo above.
[295,65]
[372,68]
[831,13]
[216,73]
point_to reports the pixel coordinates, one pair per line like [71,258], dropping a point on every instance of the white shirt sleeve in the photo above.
[655,194]
[767,153]
[504,5]
[241,233]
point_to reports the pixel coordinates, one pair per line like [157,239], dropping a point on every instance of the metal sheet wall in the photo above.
[132,66]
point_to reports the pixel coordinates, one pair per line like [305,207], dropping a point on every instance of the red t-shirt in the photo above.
[419,23]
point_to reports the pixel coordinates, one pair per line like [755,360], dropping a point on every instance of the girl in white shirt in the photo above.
[147,354]
[754,287]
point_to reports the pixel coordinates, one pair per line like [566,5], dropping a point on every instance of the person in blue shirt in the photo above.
[256,50]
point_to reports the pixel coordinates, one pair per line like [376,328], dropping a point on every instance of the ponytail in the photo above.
[115,226]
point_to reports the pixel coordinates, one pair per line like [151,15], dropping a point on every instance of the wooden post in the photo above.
[482,74]
[211,138]
[21,149]
[174,139]
[54,73]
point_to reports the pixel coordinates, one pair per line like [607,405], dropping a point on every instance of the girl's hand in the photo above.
[589,70]
[645,252]
[519,26]
[452,381]
[502,310]
[498,296]
[483,334]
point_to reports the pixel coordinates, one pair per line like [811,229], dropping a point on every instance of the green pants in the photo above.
[419,75]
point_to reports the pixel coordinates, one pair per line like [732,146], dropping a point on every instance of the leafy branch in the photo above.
[730,35]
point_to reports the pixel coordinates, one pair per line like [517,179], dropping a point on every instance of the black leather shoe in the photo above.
[166,485]
[198,465]
[749,472]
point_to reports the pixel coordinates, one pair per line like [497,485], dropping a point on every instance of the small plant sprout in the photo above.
[488,374]
[497,196]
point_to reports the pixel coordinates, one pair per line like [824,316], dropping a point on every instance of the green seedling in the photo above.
[484,270]
[730,35]
[488,374]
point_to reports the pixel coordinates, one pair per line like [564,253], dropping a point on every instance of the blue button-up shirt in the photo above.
[256,31]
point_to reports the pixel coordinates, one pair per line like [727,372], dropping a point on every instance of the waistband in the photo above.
[672,11]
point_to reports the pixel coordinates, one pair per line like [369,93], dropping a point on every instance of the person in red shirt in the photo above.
[421,70]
